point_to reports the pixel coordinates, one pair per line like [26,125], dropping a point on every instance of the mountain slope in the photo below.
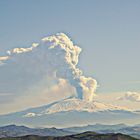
[70,112]
[74,104]
[82,136]
[105,129]
[18,131]
[98,128]
[15,131]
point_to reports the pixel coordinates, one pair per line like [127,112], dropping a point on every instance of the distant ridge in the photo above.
[20,131]
[82,136]
[15,131]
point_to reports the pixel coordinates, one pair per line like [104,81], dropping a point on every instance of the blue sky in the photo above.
[107,31]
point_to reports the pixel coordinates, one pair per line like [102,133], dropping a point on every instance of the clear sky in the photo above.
[108,31]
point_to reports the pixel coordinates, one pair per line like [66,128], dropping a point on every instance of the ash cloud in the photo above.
[54,56]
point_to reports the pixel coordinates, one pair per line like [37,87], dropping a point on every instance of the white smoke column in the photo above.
[57,56]
[64,59]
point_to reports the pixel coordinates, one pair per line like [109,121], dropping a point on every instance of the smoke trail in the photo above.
[64,58]
[57,56]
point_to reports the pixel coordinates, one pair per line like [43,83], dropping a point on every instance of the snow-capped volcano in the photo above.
[75,104]
[71,112]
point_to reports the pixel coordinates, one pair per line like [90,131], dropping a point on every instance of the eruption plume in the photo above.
[57,56]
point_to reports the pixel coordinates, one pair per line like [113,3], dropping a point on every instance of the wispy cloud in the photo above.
[131,96]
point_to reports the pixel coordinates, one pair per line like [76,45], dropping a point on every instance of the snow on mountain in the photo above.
[71,112]
[80,105]
[75,104]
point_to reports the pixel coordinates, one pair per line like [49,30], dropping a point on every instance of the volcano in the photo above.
[70,112]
